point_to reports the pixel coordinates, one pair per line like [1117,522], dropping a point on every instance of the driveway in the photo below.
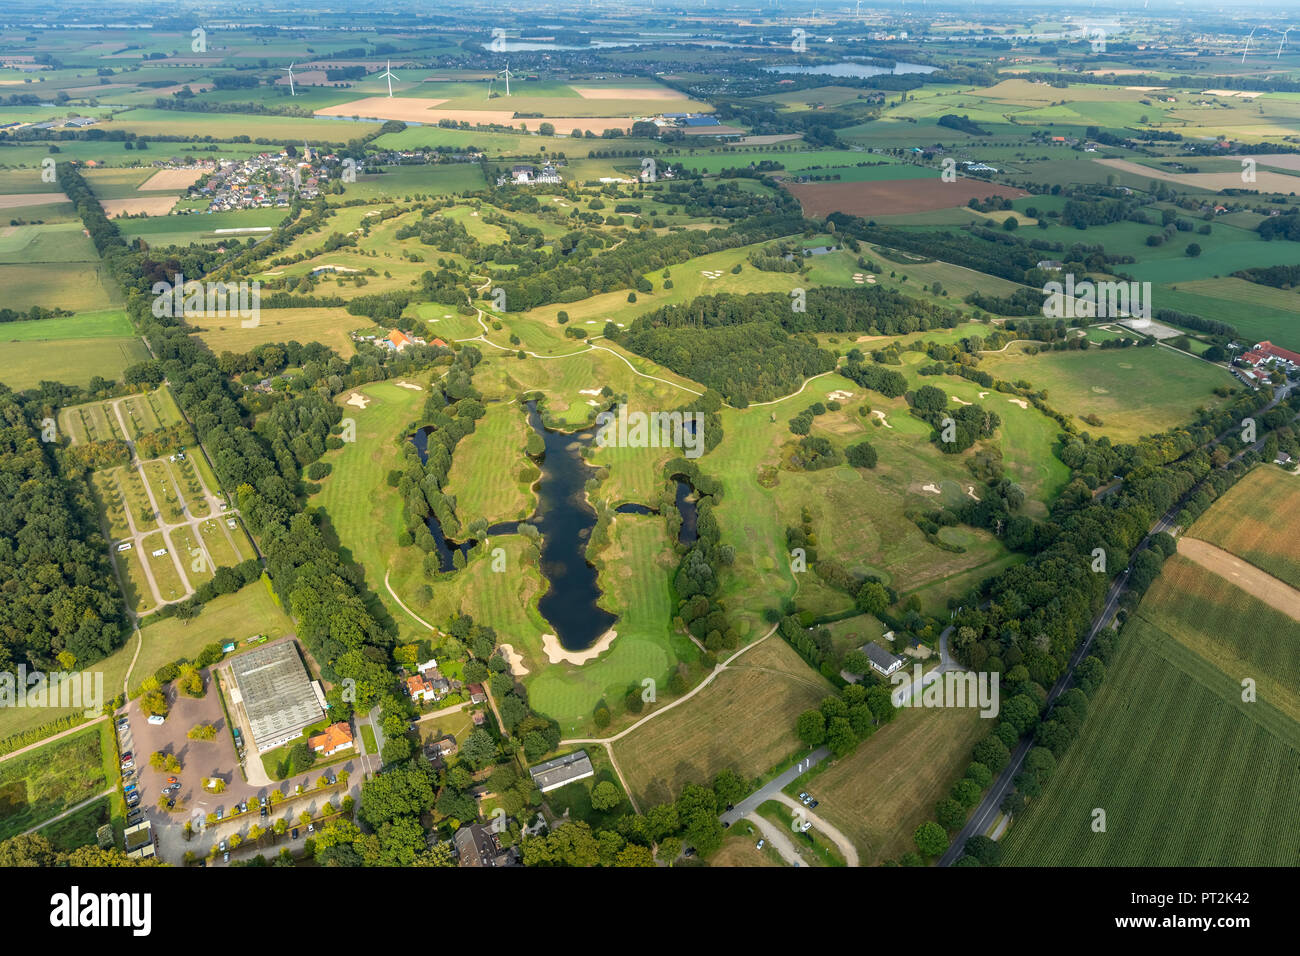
[845,845]
[947,663]
[773,787]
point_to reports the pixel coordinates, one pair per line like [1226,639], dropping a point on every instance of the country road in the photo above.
[990,806]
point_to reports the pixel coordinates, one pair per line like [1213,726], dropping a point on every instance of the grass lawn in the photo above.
[744,720]
[75,286]
[231,617]
[488,464]
[44,782]
[1256,311]
[368,739]
[741,849]
[1135,391]
[889,784]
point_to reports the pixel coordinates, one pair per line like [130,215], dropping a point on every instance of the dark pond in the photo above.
[565,519]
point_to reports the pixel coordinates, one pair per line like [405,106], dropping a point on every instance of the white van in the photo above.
[156,718]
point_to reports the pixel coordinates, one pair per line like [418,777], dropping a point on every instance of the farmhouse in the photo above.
[563,770]
[273,688]
[1283,356]
[336,737]
[882,662]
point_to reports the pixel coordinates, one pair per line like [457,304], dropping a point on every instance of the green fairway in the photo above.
[1135,391]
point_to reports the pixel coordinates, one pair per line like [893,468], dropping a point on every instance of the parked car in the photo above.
[294,833]
[128,757]
[811,804]
[264,812]
[225,858]
[222,847]
[803,796]
[128,774]
[311,828]
[760,844]
[221,813]
[171,804]
[807,824]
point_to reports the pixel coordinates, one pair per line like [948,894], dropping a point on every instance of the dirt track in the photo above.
[1276,594]
[890,197]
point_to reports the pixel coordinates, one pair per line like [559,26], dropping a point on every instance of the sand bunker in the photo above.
[839,395]
[1019,401]
[557,654]
[588,391]
[357,399]
[881,415]
[411,385]
[960,401]
[970,490]
[984,394]
[933,488]
[515,660]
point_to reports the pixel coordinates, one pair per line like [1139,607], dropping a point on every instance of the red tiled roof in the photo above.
[1276,352]
[335,736]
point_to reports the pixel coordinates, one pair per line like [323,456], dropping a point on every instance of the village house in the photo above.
[882,661]
[336,738]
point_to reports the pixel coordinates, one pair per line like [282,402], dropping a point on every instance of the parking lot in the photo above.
[215,758]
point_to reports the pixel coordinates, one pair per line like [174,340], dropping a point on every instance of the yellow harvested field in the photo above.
[414,110]
[1265,181]
[171,180]
[149,205]
[626,93]
[16,200]
[327,326]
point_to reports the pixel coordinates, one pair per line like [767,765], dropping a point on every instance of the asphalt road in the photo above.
[774,786]
[989,807]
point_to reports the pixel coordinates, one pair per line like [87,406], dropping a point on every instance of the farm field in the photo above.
[328,326]
[73,361]
[1257,519]
[1268,313]
[75,287]
[892,197]
[1163,715]
[744,720]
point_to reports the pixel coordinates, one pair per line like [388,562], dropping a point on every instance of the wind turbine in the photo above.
[1283,43]
[1247,50]
[289,69]
[507,74]
[388,72]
